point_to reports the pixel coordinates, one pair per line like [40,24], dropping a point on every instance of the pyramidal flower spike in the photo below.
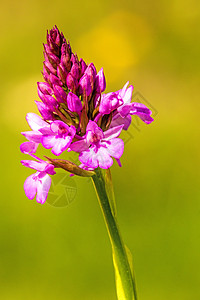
[77,115]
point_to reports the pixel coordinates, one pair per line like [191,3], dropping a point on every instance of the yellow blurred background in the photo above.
[51,252]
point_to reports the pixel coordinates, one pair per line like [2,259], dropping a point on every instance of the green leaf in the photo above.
[121,293]
[130,258]
[119,286]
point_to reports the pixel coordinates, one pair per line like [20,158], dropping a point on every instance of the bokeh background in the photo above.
[51,252]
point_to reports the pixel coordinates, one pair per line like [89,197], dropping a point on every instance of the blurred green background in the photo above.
[50,252]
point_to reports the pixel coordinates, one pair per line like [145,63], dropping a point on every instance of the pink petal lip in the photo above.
[30,187]
[61,145]
[38,183]
[94,158]
[114,147]
[43,187]
[48,141]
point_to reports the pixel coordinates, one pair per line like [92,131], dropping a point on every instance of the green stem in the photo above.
[122,266]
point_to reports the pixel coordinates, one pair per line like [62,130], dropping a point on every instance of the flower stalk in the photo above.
[125,283]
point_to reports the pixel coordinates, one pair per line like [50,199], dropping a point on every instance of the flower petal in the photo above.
[104,159]
[123,90]
[32,136]
[113,132]
[35,121]
[114,147]
[124,110]
[89,158]
[92,126]
[61,145]
[48,141]
[109,102]
[36,165]
[128,95]
[119,162]
[43,186]
[79,146]
[91,130]
[145,118]
[50,169]
[40,166]
[94,158]
[118,120]
[28,147]
[58,127]
[140,108]
[46,131]
[30,186]
[100,81]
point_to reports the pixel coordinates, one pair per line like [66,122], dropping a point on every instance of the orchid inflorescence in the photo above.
[75,116]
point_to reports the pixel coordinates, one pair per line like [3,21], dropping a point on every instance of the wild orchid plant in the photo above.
[77,116]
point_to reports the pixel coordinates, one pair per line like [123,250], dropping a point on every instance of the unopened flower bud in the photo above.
[83,66]
[46,74]
[50,102]
[62,73]
[85,84]
[91,72]
[45,93]
[66,56]
[54,80]
[53,59]
[44,111]
[52,45]
[75,71]
[92,67]
[47,48]
[88,79]
[49,68]
[100,82]
[74,59]
[56,36]
[66,49]
[45,88]
[72,82]
[60,94]
[74,103]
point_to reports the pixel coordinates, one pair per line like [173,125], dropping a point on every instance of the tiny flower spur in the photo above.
[77,115]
